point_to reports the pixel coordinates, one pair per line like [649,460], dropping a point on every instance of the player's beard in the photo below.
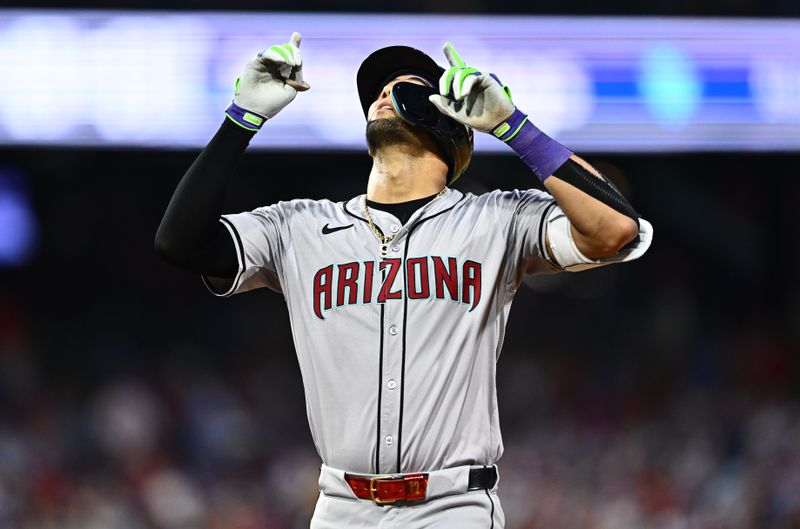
[384,132]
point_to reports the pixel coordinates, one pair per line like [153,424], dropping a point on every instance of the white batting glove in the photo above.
[472,97]
[270,82]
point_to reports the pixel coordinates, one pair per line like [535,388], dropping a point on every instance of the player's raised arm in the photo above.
[190,235]
[599,220]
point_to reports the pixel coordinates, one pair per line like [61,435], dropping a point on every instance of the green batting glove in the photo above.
[270,82]
[472,97]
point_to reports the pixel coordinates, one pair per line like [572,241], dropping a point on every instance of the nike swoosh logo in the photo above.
[326,229]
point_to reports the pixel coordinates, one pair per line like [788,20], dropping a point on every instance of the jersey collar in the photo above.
[447,200]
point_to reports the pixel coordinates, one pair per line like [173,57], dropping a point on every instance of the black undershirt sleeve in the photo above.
[190,235]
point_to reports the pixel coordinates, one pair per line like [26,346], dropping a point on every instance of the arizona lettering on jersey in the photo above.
[443,278]
[397,354]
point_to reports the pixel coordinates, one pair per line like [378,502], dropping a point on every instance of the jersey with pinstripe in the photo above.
[397,354]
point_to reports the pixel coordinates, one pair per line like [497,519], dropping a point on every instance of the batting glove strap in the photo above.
[539,151]
[244,118]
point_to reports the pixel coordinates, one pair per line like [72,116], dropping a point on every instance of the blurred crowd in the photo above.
[704,445]
[703,463]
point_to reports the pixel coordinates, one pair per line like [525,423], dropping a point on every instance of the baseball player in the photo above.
[398,298]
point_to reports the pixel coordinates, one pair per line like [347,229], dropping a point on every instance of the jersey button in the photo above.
[391,384]
[393,330]
[394,228]
[388,439]
[395,248]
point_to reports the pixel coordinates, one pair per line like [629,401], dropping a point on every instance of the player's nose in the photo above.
[386,92]
[380,100]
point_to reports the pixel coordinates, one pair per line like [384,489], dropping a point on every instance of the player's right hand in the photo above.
[269,82]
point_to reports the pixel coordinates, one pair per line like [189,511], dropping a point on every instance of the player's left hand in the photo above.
[474,98]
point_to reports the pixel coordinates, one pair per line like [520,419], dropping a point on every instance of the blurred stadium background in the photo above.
[659,394]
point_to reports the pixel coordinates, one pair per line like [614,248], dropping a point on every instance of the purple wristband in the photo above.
[539,151]
[245,118]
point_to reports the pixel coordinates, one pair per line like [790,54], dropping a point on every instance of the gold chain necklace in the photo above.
[383,248]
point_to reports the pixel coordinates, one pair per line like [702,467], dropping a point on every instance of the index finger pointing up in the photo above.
[295,40]
[452,56]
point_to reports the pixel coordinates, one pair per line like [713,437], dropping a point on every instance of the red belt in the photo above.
[389,489]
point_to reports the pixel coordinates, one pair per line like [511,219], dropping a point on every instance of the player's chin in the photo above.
[387,131]
[390,122]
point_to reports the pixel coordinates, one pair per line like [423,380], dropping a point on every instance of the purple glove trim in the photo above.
[539,151]
[245,118]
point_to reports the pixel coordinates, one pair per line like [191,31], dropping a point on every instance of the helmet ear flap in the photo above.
[457,141]
[460,151]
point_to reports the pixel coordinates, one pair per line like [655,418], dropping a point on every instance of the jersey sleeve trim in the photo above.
[571,259]
[544,253]
[237,240]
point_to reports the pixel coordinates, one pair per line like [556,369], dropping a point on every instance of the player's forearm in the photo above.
[190,234]
[598,229]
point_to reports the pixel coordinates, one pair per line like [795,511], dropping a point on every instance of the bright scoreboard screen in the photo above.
[160,79]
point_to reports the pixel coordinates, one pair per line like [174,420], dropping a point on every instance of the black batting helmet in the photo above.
[383,65]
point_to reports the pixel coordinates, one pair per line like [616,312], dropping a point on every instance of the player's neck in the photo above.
[397,176]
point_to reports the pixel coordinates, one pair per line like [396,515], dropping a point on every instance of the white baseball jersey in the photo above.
[397,354]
